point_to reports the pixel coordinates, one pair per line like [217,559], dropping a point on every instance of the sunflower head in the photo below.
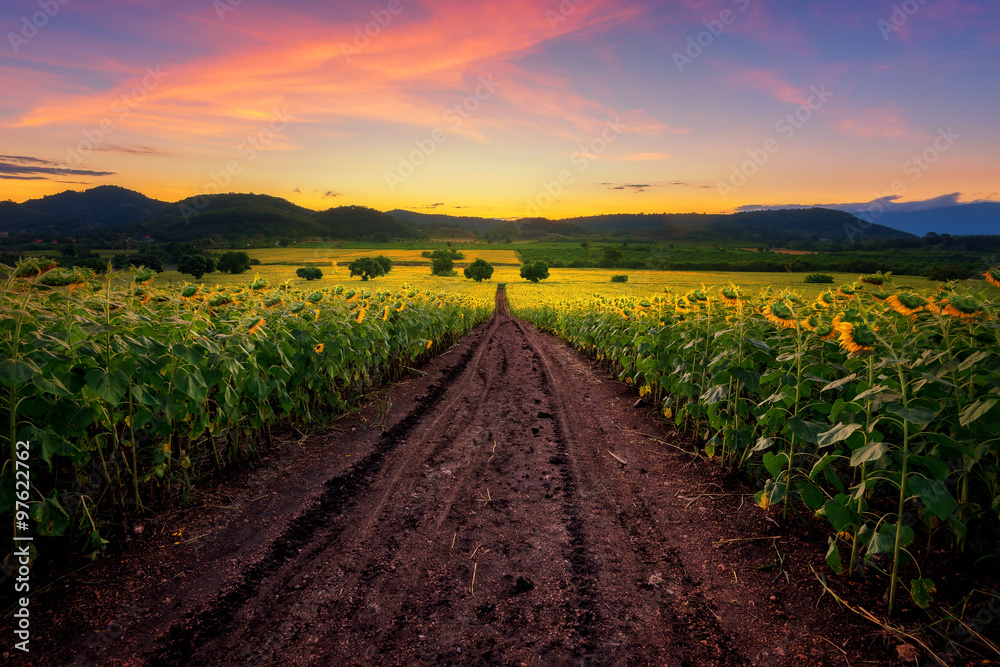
[847,291]
[963,307]
[856,337]
[780,314]
[820,326]
[825,300]
[732,295]
[319,349]
[907,303]
[993,276]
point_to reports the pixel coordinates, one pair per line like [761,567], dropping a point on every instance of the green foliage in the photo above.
[366,267]
[309,273]
[234,261]
[885,426]
[124,260]
[620,278]
[385,263]
[443,253]
[818,278]
[194,265]
[443,266]
[944,272]
[479,270]
[129,395]
[535,272]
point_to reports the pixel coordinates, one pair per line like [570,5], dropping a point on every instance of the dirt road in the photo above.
[514,511]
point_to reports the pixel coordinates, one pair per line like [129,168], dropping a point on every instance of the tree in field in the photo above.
[194,265]
[366,267]
[309,273]
[234,261]
[443,266]
[535,272]
[385,263]
[479,270]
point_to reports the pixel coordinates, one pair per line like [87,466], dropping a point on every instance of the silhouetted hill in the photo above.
[103,206]
[113,211]
[771,226]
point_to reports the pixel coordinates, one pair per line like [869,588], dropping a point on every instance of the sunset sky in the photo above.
[504,109]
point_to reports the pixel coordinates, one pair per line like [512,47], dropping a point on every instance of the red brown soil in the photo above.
[513,508]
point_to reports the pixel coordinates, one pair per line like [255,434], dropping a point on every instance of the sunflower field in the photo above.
[129,393]
[872,407]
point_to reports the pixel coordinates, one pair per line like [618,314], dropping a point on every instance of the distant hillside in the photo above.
[111,211]
[774,227]
[441,220]
[105,205]
[964,219]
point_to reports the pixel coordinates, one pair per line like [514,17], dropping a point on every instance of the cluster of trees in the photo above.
[309,273]
[443,261]
[197,265]
[370,267]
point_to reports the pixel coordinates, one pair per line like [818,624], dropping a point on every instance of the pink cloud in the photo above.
[886,123]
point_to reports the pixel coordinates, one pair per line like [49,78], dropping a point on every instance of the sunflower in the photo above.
[993,276]
[254,328]
[794,299]
[881,295]
[963,307]
[780,314]
[823,329]
[319,349]
[361,315]
[856,337]
[824,300]
[429,343]
[732,296]
[907,303]
[846,291]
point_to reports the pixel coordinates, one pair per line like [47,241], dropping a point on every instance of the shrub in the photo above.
[479,270]
[309,273]
[619,279]
[819,278]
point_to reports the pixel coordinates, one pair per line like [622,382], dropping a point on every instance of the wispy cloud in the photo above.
[24,168]
[886,122]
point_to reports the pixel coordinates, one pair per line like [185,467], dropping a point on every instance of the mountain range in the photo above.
[113,211]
